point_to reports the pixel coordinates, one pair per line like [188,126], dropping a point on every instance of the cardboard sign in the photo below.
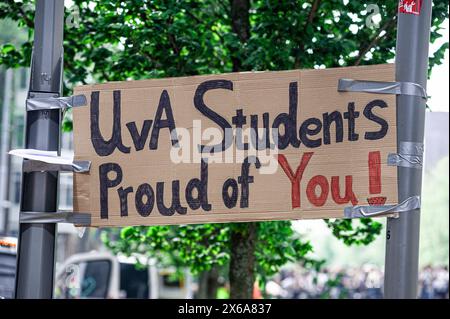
[234,147]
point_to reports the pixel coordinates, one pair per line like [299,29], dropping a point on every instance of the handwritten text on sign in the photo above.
[234,147]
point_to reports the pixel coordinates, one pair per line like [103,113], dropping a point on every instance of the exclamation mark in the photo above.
[375,179]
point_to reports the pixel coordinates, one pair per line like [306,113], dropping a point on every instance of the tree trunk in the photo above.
[242,260]
[208,284]
[243,236]
[240,24]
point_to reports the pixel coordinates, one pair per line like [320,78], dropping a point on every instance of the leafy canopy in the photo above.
[137,39]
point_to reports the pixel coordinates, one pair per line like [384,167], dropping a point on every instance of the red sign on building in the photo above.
[410,6]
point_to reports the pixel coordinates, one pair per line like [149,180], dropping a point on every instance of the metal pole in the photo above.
[36,252]
[4,203]
[402,234]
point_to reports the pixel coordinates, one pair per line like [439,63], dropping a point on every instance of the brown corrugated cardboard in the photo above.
[336,173]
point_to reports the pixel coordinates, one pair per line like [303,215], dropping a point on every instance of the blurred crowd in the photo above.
[364,282]
[433,283]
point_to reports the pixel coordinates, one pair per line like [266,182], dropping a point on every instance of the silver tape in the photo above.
[398,88]
[40,166]
[372,211]
[411,148]
[410,161]
[79,219]
[51,103]
[44,161]
[410,155]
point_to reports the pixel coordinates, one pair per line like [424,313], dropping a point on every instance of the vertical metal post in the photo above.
[36,252]
[402,240]
[4,172]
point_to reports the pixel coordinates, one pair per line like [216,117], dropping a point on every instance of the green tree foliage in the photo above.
[435,216]
[201,247]
[137,39]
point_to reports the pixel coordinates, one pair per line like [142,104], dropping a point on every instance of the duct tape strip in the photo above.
[78,219]
[411,148]
[39,166]
[50,103]
[410,161]
[410,155]
[36,160]
[398,88]
[372,211]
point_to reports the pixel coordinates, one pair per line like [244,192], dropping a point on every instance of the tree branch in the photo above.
[386,27]
[240,24]
[311,16]
[200,22]
[28,22]
[312,13]
[172,39]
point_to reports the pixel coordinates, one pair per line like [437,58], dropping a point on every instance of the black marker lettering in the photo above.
[123,196]
[163,105]
[239,121]
[306,131]
[230,200]
[351,115]
[245,179]
[102,147]
[289,121]
[328,119]
[106,183]
[201,185]
[264,141]
[139,139]
[175,206]
[375,118]
[144,209]
[200,105]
